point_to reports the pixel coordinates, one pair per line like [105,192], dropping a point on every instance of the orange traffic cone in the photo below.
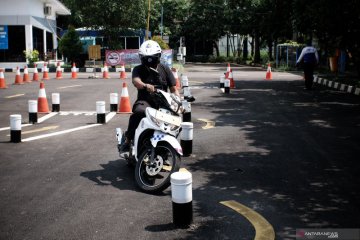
[73,71]
[58,71]
[43,106]
[268,72]
[106,71]
[231,78]
[45,72]
[36,74]
[26,78]
[176,76]
[124,104]
[228,69]
[122,72]
[18,79]
[2,80]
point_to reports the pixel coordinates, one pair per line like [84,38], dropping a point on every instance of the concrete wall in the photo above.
[21,9]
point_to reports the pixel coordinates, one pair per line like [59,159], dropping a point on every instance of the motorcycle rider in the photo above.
[145,77]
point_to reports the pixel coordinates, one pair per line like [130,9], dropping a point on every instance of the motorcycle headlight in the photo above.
[156,121]
[174,127]
[175,103]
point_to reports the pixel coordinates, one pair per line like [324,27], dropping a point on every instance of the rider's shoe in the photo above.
[189,98]
[125,147]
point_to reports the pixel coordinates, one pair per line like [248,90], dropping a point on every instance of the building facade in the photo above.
[28,25]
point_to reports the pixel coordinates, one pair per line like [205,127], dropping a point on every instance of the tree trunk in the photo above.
[257,48]
[216,48]
[252,43]
[245,48]
[270,50]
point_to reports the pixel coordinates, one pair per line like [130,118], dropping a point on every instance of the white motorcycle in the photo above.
[155,151]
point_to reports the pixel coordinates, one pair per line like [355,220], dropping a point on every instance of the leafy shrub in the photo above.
[31,56]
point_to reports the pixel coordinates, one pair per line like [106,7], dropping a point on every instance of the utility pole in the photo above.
[148,22]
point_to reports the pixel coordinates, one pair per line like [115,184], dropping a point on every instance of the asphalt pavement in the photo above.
[285,158]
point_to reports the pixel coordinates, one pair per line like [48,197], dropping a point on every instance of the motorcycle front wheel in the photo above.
[154,177]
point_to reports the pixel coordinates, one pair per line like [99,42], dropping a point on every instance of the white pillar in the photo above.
[28,38]
[45,43]
[55,44]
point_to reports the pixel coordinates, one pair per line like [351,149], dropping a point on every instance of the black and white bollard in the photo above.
[186,89]
[15,128]
[33,111]
[227,85]
[181,194]
[222,81]
[55,99]
[186,138]
[185,86]
[114,100]
[184,81]
[187,111]
[100,110]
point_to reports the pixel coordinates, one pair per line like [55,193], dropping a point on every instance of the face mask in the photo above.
[151,61]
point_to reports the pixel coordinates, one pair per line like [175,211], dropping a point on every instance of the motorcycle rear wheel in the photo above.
[155,178]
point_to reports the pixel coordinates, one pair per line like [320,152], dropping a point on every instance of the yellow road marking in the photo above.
[17,95]
[39,130]
[263,229]
[209,124]
[168,168]
[183,170]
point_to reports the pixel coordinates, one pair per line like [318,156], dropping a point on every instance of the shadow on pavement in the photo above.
[115,173]
[292,158]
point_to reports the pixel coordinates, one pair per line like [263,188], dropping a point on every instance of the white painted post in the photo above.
[181,194]
[15,128]
[186,138]
[227,85]
[114,99]
[33,110]
[187,111]
[55,99]
[100,110]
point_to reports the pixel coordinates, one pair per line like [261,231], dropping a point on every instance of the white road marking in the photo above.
[108,118]
[13,96]
[40,120]
[60,132]
[71,86]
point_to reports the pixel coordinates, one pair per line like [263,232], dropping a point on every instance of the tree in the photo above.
[206,22]
[70,45]
[109,16]
[334,23]
[174,14]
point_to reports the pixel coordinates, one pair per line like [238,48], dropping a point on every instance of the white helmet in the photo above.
[150,53]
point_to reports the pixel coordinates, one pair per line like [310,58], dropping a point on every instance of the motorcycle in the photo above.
[155,150]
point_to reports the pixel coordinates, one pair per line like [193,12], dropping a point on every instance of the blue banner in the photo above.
[4,42]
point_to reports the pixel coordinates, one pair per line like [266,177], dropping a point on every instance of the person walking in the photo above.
[310,58]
